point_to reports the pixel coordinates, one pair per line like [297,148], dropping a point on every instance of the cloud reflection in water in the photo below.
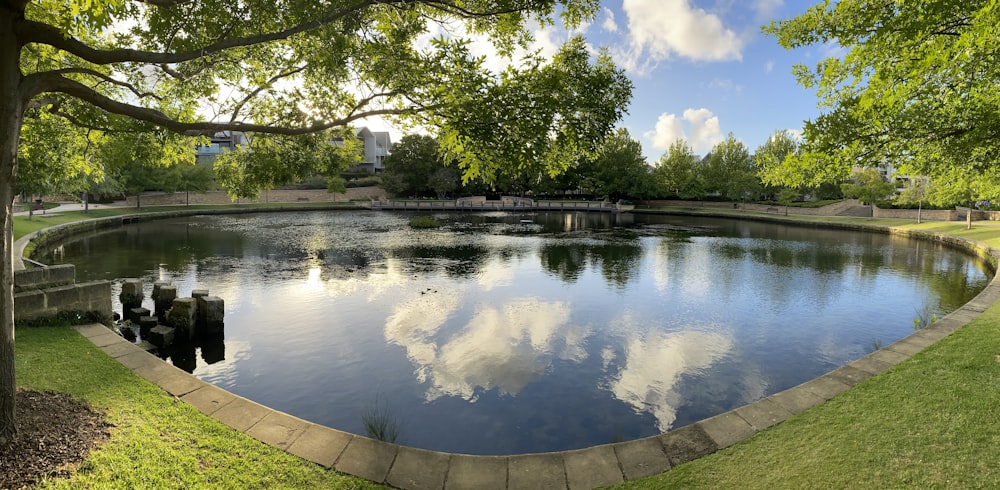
[503,348]
[654,365]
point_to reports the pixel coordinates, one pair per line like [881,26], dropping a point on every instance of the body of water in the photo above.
[505,333]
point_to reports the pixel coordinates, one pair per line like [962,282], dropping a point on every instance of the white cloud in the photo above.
[769,66]
[665,28]
[703,130]
[609,23]
[766,8]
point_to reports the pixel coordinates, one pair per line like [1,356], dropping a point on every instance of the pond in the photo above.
[503,333]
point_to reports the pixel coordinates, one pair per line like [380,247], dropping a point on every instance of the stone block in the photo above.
[161,336]
[29,305]
[156,289]
[28,278]
[147,323]
[60,274]
[131,295]
[211,314]
[63,298]
[164,299]
[95,297]
[182,317]
[135,314]
[199,293]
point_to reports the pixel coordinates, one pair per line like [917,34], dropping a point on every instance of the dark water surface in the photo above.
[493,336]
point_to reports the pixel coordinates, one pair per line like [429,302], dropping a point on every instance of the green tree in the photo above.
[410,165]
[677,171]
[769,160]
[56,157]
[915,191]
[868,186]
[916,84]
[270,161]
[296,68]
[138,161]
[619,170]
[730,170]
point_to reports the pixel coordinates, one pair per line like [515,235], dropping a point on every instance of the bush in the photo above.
[803,204]
[368,181]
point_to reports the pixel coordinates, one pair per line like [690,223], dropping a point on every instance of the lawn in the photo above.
[929,422]
[157,441]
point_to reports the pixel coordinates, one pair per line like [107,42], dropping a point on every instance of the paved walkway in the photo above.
[67,206]
[411,468]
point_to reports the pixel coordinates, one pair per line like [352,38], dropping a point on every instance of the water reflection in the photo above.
[498,349]
[654,364]
[495,336]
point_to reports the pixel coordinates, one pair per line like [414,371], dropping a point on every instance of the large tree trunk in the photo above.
[11,114]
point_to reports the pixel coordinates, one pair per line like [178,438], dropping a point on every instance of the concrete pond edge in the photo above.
[412,468]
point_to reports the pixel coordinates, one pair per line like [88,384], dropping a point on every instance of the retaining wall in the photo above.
[911,214]
[47,291]
[220,197]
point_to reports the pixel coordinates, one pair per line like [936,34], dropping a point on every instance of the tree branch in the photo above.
[29,31]
[265,86]
[36,84]
[106,78]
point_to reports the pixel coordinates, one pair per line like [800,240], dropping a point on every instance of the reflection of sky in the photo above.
[500,348]
[687,326]
[654,365]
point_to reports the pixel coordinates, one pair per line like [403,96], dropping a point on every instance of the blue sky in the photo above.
[700,69]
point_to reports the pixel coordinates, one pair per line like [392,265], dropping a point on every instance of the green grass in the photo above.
[157,441]
[929,422]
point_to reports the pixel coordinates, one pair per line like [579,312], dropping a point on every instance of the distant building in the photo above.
[222,141]
[376,146]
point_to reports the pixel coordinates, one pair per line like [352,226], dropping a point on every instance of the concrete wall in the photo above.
[911,214]
[830,210]
[47,291]
[43,277]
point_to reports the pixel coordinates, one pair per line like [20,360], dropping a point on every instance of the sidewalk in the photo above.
[67,206]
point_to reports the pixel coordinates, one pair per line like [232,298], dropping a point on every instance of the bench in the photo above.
[773,210]
[37,206]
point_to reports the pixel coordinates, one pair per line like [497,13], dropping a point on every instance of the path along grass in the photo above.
[929,422]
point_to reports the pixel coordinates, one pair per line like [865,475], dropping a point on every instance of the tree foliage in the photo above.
[619,169]
[917,86]
[408,169]
[678,173]
[295,68]
[730,170]
[868,186]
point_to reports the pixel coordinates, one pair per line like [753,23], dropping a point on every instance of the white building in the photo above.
[376,146]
